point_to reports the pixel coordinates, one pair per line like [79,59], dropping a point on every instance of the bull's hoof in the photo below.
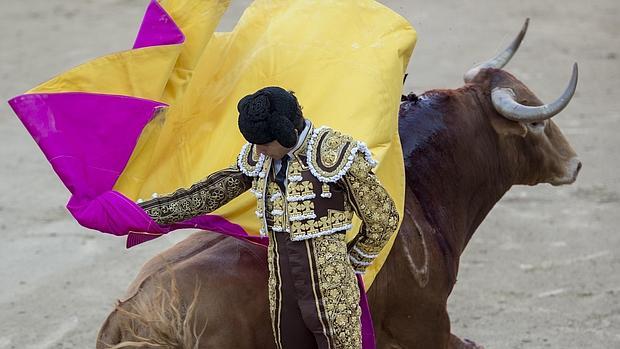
[472,344]
[457,343]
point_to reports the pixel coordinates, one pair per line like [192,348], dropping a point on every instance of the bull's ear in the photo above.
[507,127]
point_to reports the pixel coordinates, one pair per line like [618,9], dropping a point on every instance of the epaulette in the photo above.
[249,162]
[331,153]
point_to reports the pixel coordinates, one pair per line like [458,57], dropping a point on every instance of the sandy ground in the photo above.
[541,272]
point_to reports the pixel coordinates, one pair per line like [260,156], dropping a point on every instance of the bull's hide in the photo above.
[344,59]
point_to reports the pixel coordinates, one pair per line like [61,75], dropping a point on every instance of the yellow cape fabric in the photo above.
[345,60]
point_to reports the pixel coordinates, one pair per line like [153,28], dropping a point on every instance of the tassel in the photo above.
[325,193]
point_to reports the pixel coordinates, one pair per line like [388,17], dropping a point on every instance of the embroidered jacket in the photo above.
[329,177]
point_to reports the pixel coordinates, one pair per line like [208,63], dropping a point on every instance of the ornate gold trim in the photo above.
[249,162]
[330,154]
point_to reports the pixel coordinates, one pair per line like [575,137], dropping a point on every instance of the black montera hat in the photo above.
[269,114]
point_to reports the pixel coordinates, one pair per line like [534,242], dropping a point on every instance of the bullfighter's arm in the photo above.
[203,197]
[375,207]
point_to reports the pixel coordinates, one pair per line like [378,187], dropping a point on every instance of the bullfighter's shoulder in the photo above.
[249,162]
[331,153]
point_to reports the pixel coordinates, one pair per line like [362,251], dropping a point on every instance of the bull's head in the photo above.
[524,123]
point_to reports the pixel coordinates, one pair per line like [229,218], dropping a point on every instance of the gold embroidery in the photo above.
[260,184]
[301,208]
[203,197]
[324,223]
[335,221]
[339,219]
[302,188]
[295,168]
[325,192]
[310,227]
[249,162]
[273,192]
[261,193]
[275,285]
[328,154]
[275,207]
[331,147]
[278,223]
[340,291]
[278,204]
[261,205]
[374,206]
[297,226]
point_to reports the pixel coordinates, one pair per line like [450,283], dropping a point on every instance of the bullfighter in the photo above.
[308,183]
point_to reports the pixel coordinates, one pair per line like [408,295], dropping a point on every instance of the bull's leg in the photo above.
[408,297]
[457,343]
[424,326]
[110,332]
[429,328]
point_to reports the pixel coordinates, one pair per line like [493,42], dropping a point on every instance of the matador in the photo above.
[308,182]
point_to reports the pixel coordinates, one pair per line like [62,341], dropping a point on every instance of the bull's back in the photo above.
[225,279]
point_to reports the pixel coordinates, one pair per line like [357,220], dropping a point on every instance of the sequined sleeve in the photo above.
[376,209]
[203,197]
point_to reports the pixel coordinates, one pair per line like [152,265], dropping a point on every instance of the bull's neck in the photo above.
[452,163]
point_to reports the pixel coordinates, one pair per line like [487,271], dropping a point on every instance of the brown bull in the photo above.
[463,149]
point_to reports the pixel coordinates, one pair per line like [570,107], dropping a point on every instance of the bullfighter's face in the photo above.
[273,149]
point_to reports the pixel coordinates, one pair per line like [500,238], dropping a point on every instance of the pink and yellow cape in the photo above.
[162,115]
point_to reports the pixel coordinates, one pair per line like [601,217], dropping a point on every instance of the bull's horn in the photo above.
[504,102]
[502,58]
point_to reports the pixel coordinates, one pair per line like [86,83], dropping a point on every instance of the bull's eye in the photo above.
[537,126]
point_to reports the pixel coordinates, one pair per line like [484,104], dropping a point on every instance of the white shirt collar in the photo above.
[301,138]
